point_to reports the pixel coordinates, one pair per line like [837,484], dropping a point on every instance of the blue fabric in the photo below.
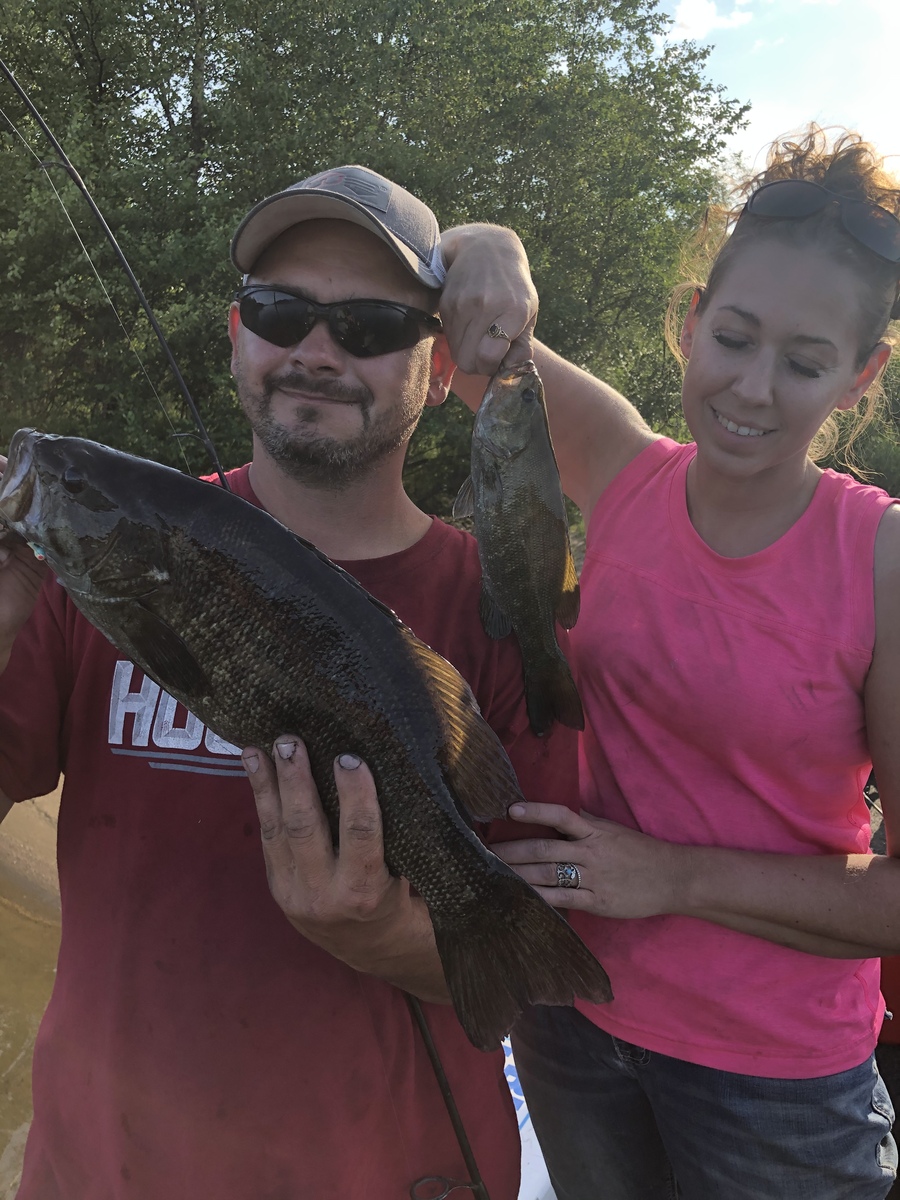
[617,1122]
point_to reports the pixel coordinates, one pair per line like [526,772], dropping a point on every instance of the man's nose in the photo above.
[318,351]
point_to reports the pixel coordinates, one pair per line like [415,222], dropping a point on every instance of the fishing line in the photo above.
[475,1183]
[98,277]
[67,166]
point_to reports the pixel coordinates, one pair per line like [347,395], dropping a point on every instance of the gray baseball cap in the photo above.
[355,194]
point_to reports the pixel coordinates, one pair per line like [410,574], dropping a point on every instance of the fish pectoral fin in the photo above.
[163,651]
[464,504]
[570,601]
[495,622]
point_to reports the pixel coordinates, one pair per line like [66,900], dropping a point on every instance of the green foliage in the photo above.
[875,456]
[562,118]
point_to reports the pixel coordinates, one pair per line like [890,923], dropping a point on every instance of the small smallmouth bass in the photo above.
[529,577]
[258,634]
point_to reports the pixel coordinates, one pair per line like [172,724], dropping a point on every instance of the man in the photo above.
[198,1044]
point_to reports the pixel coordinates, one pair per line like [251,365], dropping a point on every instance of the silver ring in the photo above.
[567,875]
[497,331]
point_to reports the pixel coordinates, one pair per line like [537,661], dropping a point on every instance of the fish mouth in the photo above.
[17,486]
[512,371]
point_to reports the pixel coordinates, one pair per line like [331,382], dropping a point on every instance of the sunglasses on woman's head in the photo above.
[364,328]
[870,224]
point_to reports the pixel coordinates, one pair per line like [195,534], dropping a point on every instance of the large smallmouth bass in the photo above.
[529,578]
[258,634]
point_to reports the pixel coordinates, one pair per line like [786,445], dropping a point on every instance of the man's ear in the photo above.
[874,368]
[686,340]
[234,321]
[442,368]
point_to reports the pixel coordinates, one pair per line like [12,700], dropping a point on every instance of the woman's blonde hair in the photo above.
[850,167]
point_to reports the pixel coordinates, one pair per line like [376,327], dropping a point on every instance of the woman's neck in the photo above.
[737,517]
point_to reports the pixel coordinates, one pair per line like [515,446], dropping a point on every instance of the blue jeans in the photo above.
[616,1122]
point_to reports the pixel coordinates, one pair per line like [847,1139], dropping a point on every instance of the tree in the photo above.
[560,118]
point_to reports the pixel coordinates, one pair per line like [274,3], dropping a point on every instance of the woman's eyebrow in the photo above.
[741,312]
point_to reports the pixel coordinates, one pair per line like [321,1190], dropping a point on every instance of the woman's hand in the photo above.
[488,287]
[623,873]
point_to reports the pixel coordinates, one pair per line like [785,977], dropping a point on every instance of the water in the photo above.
[29,940]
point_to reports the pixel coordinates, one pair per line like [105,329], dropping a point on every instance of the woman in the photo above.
[738,654]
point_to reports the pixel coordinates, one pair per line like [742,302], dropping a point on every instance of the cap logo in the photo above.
[374,193]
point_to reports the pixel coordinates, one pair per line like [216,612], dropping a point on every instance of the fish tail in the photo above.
[551,695]
[496,968]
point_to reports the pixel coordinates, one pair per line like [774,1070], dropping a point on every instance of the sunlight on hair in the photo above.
[840,160]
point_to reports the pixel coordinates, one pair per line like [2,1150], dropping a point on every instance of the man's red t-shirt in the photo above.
[195,1045]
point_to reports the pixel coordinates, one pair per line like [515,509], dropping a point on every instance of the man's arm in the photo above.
[345,901]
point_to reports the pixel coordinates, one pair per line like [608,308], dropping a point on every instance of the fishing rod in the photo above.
[421,1189]
[65,163]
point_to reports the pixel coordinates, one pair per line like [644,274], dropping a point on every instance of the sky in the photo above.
[831,61]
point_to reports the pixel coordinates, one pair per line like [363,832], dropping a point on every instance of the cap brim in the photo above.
[273,216]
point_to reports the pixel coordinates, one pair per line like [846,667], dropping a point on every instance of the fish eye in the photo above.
[528,395]
[72,481]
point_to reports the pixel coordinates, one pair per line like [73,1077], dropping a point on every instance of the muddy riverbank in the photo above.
[29,939]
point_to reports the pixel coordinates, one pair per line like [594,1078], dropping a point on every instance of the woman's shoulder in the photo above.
[853,491]
[659,457]
[887,546]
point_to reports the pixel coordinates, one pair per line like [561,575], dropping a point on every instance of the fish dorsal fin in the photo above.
[570,600]
[464,504]
[388,612]
[161,651]
[478,772]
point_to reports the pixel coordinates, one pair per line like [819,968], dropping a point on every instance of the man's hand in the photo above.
[346,901]
[488,287]
[21,576]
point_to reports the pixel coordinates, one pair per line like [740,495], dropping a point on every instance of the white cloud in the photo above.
[696,19]
[766,44]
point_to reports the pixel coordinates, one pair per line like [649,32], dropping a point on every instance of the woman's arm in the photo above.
[883,682]
[595,430]
[838,906]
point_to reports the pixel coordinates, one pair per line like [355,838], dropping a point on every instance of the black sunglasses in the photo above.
[364,328]
[870,224]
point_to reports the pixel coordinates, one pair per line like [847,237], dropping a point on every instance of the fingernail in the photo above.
[286,749]
[251,763]
[349,762]
[516,810]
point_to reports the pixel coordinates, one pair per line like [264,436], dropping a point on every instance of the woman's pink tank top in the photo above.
[724,708]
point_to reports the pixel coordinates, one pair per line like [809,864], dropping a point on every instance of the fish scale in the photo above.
[258,634]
